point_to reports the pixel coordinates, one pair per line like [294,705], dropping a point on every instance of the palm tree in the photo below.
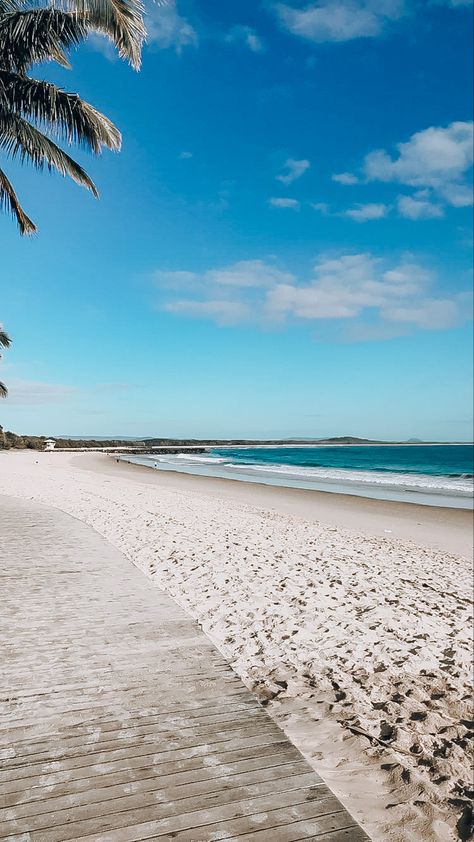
[5,342]
[32,110]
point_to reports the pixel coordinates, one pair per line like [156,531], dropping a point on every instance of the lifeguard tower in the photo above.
[49,444]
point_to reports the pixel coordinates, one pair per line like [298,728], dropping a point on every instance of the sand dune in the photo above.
[359,644]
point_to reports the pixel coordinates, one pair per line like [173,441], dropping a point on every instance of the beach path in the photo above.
[119,719]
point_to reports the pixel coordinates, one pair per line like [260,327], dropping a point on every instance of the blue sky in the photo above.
[283,246]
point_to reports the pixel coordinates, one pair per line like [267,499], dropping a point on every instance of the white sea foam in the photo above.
[205,460]
[428,488]
[415,482]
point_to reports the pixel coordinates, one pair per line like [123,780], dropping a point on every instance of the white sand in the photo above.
[343,633]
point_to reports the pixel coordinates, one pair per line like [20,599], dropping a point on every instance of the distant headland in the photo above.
[10,440]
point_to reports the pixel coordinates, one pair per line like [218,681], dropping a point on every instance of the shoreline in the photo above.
[345,485]
[444,528]
[356,640]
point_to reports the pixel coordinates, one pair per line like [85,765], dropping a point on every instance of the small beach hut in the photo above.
[49,444]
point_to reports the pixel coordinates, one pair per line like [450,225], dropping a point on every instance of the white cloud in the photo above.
[344,20]
[430,314]
[437,157]
[34,392]
[345,178]
[101,44]
[294,170]
[362,213]
[185,156]
[418,208]
[244,273]
[221,311]
[343,287]
[372,295]
[349,286]
[277,202]
[339,20]
[322,207]
[458,195]
[437,161]
[246,35]
[247,273]
[167,29]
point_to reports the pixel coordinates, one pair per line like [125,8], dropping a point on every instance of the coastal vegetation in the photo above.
[13,440]
[34,114]
[5,342]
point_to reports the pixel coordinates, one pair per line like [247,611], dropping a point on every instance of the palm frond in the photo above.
[34,35]
[120,20]
[73,119]
[8,6]
[9,200]
[3,390]
[20,139]
[5,340]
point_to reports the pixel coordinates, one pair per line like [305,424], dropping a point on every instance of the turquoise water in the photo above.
[439,475]
[435,460]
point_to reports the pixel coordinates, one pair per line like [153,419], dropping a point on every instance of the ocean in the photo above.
[440,475]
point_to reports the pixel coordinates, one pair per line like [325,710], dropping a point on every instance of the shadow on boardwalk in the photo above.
[120,721]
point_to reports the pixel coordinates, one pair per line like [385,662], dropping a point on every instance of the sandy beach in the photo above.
[350,619]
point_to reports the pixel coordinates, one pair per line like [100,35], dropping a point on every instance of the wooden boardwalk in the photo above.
[119,720]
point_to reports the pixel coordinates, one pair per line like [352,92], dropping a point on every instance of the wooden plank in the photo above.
[171,750]
[161,803]
[119,720]
[264,769]
[133,826]
[279,826]
[146,764]
[120,741]
[184,771]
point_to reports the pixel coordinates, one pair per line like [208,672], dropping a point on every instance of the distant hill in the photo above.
[11,440]
[346,440]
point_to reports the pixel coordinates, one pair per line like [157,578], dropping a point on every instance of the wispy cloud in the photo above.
[321,207]
[101,44]
[282,202]
[363,213]
[221,311]
[418,208]
[247,36]
[167,29]
[359,213]
[345,178]
[292,170]
[395,297]
[185,156]
[244,273]
[34,392]
[339,20]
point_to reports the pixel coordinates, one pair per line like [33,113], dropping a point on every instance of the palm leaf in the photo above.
[8,200]
[5,340]
[20,139]
[120,20]
[3,390]
[35,35]
[9,6]
[73,119]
